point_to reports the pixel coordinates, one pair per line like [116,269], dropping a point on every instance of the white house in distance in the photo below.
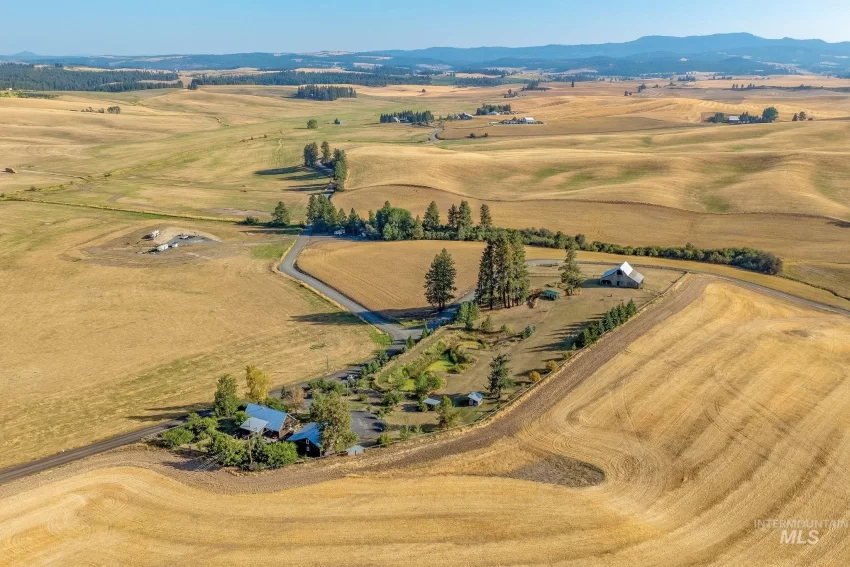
[622,276]
[733,119]
[528,120]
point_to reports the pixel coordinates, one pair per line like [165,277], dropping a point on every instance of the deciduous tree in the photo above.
[333,416]
[226,401]
[258,384]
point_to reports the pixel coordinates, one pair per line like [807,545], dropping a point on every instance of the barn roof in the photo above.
[254,425]
[627,270]
[274,417]
[309,432]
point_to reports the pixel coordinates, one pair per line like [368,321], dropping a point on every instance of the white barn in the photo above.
[622,276]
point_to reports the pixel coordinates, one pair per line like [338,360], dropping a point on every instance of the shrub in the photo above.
[487,324]
[275,404]
[201,427]
[391,398]
[534,376]
[551,365]
[239,417]
[176,437]
[279,454]
[405,433]
[312,124]
[505,329]
[528,331]
[251,221]
[228,451]
[409,343]
[422,406]
[384,439]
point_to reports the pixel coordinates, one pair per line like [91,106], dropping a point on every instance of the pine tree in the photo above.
[499,378]
[280,215]
[431,222]
[486,219]
[631,308]
[464,218]
[571,277]
[485,291]
[440,280]
[311,154]
[502,263]
[326,153]
[453,217]
[355,223]
[418,230]
[520,283]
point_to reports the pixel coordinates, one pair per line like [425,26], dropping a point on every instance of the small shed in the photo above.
[550,294]
[475,398]
[355,451]
[308,440]
[254,425]
[432,403]
[622,276]
[278,423]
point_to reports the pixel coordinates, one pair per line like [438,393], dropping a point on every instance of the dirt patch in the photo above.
[564,471]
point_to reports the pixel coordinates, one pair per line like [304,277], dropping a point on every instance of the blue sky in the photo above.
[215,26]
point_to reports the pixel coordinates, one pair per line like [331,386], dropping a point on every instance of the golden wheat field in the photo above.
[731,411]
[103,338]
[393,282]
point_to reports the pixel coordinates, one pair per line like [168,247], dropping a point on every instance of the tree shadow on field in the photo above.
[294,173]
[840,223]
[563,339]
[170,412]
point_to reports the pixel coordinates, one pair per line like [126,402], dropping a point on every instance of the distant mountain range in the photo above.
[720,53]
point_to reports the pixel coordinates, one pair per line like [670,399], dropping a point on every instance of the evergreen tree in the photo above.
[453,217]
[499,378]
[486,219]
[280,215]
[447,414]
[571,276]
[311,154]
[431,222]
[340,169]
[418,230]
[520,283]
[485,291]
[464,216]
[355,223]
[440,280]
[326,153]
[631,308]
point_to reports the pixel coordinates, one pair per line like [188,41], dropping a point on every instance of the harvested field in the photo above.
[732,410]
[105,338]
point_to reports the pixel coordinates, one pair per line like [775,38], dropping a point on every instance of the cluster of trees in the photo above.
[799,116]
[615,317]
[485,108]
[534,85]
[393,223]
[316,92]
[502,273]
[413,116]
[333,416]
[45,78]
[280,217]
[736,86]
[114,110]
[292,78]
[324,218]
[336,160]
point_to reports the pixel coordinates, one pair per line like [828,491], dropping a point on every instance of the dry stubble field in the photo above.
[97,339]
[732,410]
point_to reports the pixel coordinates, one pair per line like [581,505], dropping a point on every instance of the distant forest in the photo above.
[55,78]
[294,78]
[314,92]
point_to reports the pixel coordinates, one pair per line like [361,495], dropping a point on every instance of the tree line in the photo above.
[293,78]
[394,223]
[768,115]
[485,108]
[336,160]
[416,117]
[316,92]
[615,317]
[46,78]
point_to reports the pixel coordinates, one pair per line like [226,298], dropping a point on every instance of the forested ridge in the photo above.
[293,78]
[53,78]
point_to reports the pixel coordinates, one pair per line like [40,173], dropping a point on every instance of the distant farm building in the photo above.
[308,440]
[622,276]
[277,423]
[550,294]
[466,116]
[475,398]
[528,120]
[733,119]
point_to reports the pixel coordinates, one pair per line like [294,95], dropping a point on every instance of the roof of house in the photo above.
[477,396]
[254,425]
[735,117]
[274,417]
[432,401]
[627,270]
[310,432]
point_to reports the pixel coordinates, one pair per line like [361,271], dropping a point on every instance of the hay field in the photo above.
[733,410]
[104,339]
